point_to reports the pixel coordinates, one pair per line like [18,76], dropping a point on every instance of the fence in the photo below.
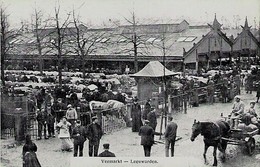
[13,116]
[112,119]
[7,125]
[193,97]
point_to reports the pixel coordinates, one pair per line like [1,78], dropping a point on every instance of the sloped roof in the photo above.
[153,69]
[247,30]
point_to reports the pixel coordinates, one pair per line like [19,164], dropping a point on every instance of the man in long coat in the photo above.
[147,138]
[136,116]
[42,123]
[147,109]
[152,118]
[94,134]
[79,136]
[170,136]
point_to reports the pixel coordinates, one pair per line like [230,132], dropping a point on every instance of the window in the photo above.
[98,40]
[157,40]
[15,41]
[150,40]
[181,39]
[122,40]
[190,39]
[104,40]
[32,41]
[186,39]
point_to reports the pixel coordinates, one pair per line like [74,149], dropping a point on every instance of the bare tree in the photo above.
[59,39]
[6,35]
[164,45]
[87,42]
[38,26]
[134,38]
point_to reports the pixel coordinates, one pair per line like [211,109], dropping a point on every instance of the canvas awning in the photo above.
[153,69]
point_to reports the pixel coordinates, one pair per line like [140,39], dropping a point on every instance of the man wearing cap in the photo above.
[94,134]
[71,116]
[238,106]
[152,118]
[59,108]
[79,136]
[170,136]
[48,99]
[147,138]
[106,152]
[42,123]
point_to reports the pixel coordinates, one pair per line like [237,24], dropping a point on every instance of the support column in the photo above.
[197,62]
[208,61]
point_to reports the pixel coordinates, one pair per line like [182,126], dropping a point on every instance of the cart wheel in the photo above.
[250,146]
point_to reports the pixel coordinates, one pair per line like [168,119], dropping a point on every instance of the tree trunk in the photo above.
[83,69]
[135,55]
[83,66]
[59,72]
[2,69]
[41,66]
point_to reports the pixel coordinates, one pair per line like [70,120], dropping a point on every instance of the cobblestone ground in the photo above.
[125,143]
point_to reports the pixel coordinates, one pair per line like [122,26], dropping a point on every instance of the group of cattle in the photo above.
[110,108]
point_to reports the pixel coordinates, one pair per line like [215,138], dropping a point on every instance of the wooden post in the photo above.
[197,62]
[185,98]
[169,104]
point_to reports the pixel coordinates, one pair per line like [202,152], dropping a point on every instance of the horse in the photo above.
[212,132]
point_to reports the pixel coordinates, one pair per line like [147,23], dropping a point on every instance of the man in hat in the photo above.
[251,110]
[79,136]
[147,138]
[170,136]
[152,118]
[237,111]
[59,108]
[238,106]
[147,109]
[42,123]
[50,121]
[71,116]
[94,134]
[136,116]
[106,152]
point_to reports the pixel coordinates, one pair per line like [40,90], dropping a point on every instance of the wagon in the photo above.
[246,139]
[242,138]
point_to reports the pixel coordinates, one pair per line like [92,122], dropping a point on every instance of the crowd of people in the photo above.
[60,111]
[220,86]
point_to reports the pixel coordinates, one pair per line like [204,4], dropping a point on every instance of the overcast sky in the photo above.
[97,12]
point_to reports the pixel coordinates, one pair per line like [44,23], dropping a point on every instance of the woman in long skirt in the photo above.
[64,135]
[29,156]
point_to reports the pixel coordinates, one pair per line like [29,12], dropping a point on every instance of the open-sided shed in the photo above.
[150,78]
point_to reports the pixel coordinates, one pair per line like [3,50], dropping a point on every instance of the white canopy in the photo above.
[154,69]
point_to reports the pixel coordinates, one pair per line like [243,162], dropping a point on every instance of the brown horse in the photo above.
[212,132]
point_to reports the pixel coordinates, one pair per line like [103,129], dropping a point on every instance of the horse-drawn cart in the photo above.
[245,139]
[241,136]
